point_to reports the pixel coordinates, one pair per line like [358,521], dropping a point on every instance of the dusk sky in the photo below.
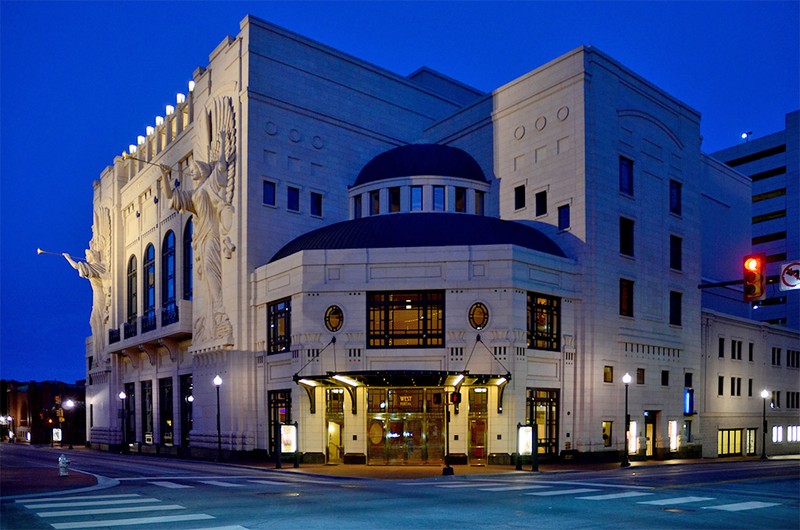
[81,80]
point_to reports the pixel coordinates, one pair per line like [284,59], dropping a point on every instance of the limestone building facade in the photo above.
[367,255]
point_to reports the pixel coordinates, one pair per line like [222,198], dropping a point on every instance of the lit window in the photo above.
[279,318]
[608,374]
[405,319]
[777,434]
[544,322]
[607,425]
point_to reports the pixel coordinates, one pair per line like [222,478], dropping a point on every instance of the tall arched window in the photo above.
[187,260]
[149,284]
[169,311]
[130,324]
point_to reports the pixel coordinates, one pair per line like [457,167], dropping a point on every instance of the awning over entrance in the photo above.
[399,378]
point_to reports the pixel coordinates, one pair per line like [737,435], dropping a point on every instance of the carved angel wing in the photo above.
[102,234]
[222,120]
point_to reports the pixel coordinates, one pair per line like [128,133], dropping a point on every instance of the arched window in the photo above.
[149,284]
[187,260]
[169,311]
[130,324]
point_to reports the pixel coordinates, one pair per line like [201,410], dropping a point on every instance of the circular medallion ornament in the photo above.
[478,316]
[334,318]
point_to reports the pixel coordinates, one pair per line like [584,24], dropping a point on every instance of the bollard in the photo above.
[63,466]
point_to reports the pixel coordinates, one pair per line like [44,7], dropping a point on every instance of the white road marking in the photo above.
[222,484]
[676,500]
[105,502]
[516,488]
[76,498]
[610,496]
[171,485]
[741,506]
[560,492]
[469,485]
[132,522]
[107,511]
[270,482]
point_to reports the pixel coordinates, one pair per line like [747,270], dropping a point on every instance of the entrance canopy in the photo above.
[401,379]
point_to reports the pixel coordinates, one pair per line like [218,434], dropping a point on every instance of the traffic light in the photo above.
[455,397]
[755,277]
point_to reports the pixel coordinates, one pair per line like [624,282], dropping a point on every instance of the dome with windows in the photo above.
[421,159]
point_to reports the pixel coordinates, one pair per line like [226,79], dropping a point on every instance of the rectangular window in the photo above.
[279,328]
[736,386]
[541,203]
[563,217]
[640,376]
[315,206]
[625,297]
[664,377]
[776,356]
[736,349]
[626,236]
[461,200]
[416,198]
[147,411]
[750,352]
[405,319]
[438,198]
[357,212]
[293,199]
[749,388]
[729,442]
[607,425]
[675,199]
[626,176]
[608,374]
[777,434]
[675,308]
[519,197]
[480,199]
[375,202]
[675,253]
[687,380]
[792,358]
[720,385]
[268,193]
[544,322]
[394,199]
[721,349]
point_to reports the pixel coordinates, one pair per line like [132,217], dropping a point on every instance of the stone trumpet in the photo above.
[40,251]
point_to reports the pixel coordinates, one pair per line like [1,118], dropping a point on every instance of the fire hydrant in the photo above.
[63,466]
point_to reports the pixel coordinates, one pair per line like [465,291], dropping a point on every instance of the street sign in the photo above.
[790,276]
[56,435]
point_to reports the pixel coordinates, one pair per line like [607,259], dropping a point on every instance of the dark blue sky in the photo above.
[81,80]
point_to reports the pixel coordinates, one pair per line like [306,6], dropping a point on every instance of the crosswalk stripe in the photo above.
[560,492]
[221,484]
[515,488]
[171,485]
[741,506]
[676,500]
[312,480]
[269,482]
[107,511]
[132,522]
[610,496]
[76,498]
[72,504]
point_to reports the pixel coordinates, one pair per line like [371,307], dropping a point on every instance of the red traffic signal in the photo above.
[755,277]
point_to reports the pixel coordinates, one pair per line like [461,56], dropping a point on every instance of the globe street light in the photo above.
[626,379]
[122,396]
[764,396]
[69,405]
[218,383]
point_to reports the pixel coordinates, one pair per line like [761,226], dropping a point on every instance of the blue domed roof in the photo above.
[408,230]
[421,159]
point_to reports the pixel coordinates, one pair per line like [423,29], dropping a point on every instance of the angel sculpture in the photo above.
[210,201]
[95,269]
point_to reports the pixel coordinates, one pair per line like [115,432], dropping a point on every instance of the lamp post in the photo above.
[218,383]
[764,396]
[626,380]
[69,404]
[122,396]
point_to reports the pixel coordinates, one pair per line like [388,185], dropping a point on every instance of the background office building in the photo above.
[369,252]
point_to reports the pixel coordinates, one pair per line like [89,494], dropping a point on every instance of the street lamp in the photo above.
[764,396]
[218,383]
[122,396]
[626,379]
[69,404]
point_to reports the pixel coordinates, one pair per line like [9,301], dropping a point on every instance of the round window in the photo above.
[334,318]
[478,316]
